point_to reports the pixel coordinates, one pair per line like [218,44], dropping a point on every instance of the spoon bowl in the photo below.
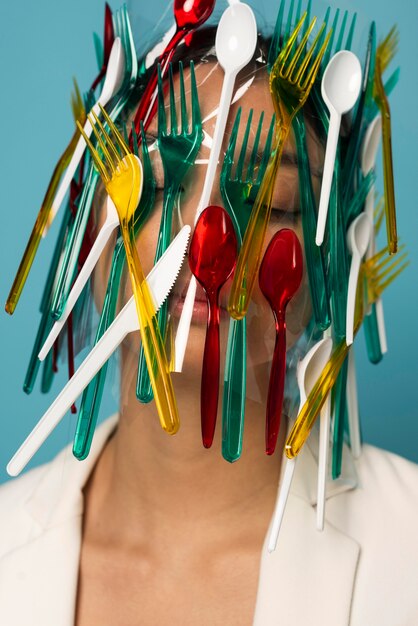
[192,13]
[311,366]
[236,37]
[358,235]
[280,277]
[212,258]
[341,82]
[371,145]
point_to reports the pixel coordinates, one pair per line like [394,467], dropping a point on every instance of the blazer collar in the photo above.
[38,578]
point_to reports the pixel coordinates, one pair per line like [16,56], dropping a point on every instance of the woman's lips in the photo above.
[200,306]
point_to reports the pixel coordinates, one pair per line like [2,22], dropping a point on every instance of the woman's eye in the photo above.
[289,215]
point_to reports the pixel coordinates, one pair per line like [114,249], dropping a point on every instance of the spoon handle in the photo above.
[327,176]
[276,387]
[210,374]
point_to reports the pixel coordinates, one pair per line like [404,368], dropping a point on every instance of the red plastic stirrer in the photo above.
[212,258]
[279,278]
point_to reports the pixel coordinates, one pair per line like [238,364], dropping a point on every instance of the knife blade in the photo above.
[160,280]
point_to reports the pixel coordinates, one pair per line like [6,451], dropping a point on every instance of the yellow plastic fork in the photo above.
[378,273]
[384,54]
[291,79]
[122,178]
[29,254]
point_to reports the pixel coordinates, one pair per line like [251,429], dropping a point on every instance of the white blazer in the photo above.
[362,570]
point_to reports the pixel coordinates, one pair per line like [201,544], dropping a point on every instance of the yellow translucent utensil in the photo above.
[25,265]
[377,272]
[122,177]
[291,79]
[384,54]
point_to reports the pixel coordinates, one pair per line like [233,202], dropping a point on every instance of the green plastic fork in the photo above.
[178,149]
[239,191]
[69,262]
[92,395]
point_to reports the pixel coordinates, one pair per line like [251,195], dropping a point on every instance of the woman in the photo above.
[153,529]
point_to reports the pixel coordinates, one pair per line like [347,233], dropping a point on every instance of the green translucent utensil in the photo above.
[239,191]
[69,265]
[178,148]
[92,395]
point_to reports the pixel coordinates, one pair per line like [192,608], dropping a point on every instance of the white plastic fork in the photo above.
[113,81]
[236,40]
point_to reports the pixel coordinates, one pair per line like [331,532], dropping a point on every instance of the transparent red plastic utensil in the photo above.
[189,15]
[279,279]
[108,39]
[212,258]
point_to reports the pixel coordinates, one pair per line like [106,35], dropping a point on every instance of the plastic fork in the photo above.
[291,80]
[379,272]
[384,54]
[178,148]
[239,190]
[93,393]
[122,178]
[77,235]
[25,265]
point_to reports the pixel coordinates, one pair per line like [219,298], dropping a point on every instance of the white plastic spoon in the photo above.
[110,225]
[236,40]
[358,239]
[308,372]
[112,83]
[341,84]
[369,150]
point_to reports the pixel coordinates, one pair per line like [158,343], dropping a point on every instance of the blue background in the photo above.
[44,44]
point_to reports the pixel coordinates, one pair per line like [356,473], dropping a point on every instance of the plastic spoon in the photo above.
[279,278]
[113,80]
[308,372]
[358,238]
[236,40]
[340,88]
[212,258]
[108,39]
[189,15]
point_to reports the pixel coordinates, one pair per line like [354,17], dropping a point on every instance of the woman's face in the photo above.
[285,214]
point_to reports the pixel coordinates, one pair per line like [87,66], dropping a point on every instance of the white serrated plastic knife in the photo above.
[160,280]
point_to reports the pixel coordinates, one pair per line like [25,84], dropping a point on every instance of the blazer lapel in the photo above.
[311,573]
[38,578]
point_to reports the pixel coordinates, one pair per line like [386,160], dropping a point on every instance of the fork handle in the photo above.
[235,381]
[249,258]
[390,206]
[152,341]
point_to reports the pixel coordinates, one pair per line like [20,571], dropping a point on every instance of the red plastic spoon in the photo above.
[189,15]
[212,258]
[279,278]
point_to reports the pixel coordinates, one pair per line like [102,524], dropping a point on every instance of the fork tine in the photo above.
[95,155]
[301,48]
[241,159]
[350,36]
[162,118]
[298,11]
[287,49]
[333,31]
[382,286]
[385,266]
[308,56]
[229,155]
[183,106]
[317,63]
[135,141]
[93,119]
[339,43]
[289,22]
[251,165]
[267,151]
[173,114]
[123,147]
[196,115]
[275,42]
[108,146]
